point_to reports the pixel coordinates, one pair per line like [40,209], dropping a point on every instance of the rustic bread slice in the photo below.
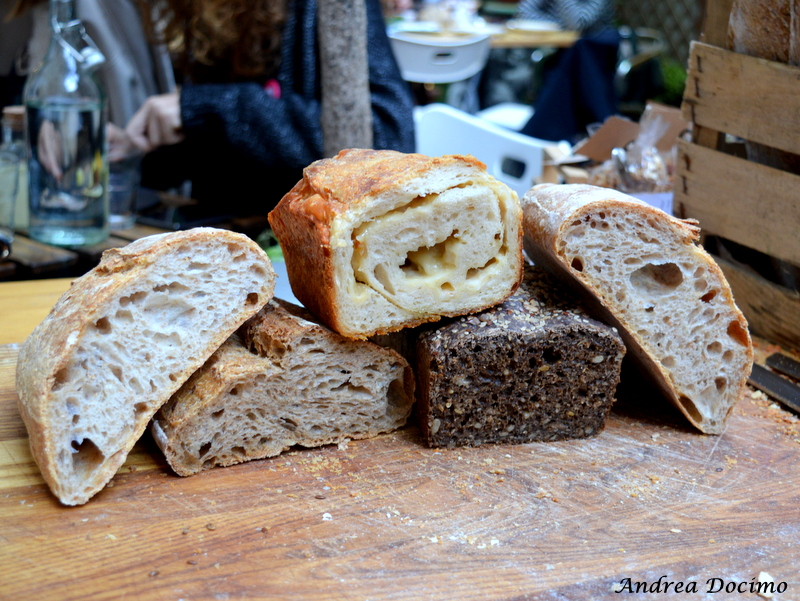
[534,368]
[375,241]
[650,279]
[288,381]
[122,340]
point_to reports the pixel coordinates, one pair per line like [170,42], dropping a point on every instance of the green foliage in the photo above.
[269,243]
[673,74]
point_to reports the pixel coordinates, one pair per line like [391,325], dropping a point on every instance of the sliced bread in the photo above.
[122,340]
[376,240]
[646,274]
[286,381]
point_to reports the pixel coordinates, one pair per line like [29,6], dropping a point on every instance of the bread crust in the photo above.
[549,211]
[309,218]
[269,348]
[50,348]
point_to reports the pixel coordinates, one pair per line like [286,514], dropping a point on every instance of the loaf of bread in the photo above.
[376,241]
[768,29]
[122,340]
[646,275]
[534,368]
[287,381]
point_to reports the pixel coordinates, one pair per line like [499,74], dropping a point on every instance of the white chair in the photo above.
[513,158]
[427,58]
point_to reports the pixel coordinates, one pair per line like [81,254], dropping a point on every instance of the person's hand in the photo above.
[156,123]
[119,144]
[49,150]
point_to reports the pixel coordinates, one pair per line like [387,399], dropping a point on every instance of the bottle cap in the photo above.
[14,117]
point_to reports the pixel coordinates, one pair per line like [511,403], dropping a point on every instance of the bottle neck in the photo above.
[62,12]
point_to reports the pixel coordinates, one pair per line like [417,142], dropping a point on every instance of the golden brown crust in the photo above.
[304,219]
[50,347]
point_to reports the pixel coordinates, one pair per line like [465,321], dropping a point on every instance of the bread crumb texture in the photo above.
[288,381]
[534,368]
[140,323]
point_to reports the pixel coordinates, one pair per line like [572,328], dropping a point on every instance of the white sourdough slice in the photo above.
[377,240]
[649,278]
[286,381]
[122,340]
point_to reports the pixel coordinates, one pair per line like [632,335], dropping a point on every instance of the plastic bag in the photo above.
[639,167]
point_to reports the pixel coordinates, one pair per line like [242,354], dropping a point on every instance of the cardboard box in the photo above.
[617,132]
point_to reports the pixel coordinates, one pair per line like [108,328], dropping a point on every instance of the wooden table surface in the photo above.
[390,519]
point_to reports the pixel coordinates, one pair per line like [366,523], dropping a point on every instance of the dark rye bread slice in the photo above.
[535,368]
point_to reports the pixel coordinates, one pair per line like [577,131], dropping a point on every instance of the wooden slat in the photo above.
[29,302]
[36,258]
[715,22]
[751,204]
[772,311]
[137,231]
[753,98]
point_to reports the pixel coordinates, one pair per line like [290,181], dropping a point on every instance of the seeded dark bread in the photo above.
[377,240]
[534,368]
[285,380]
[643,271]
[123,339]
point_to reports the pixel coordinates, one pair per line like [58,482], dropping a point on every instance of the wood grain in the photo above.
[772,311]
[387,518]
[28,302]
[749,97]
[748,203]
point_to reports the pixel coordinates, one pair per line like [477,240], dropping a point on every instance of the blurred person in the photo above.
[578,85]
[133,70]
[246,120]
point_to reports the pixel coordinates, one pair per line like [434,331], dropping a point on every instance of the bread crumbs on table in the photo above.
[185,531]
[191,562]
[154,573]
[211,527]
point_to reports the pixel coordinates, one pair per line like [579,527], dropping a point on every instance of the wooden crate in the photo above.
[745,202]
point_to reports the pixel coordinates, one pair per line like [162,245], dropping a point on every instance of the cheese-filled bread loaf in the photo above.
[123,339]
[284,380]
[647,275]
[376,241]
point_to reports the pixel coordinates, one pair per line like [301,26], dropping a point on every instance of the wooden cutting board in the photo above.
[390,519]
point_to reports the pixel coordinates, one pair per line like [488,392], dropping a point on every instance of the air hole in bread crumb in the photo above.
[205,448]
[132,299]
[238,451]
[448,287]
[61,378]
[103,325]
[720,383]
[117,371]
[75,419]
[251,416]
[700,285]
[577,264]
[738,333]
[657,280]
[551,355]
[691,409]
[252,298]
[218,414]
[706,298]
[85,457]
[234,391]
[715,348]
[728,356]
[668,362]
[139,408]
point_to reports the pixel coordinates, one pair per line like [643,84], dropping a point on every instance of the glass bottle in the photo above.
[66,138]
[14,141]
[11,155]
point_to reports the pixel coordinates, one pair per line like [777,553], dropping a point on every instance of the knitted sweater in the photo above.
[578,15]
[248,148]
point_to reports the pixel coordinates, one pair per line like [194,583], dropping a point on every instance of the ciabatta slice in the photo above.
[649,278]
[288,381]
[122,340]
